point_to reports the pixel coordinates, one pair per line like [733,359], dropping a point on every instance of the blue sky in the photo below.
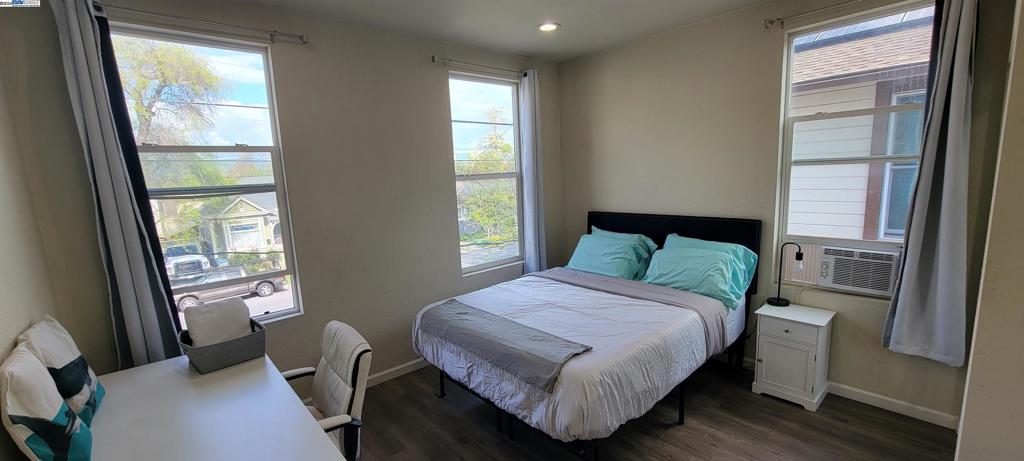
[241,114]
[471,101]
[244,117]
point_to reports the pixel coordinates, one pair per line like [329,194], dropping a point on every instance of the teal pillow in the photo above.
[746,258]
[647,242]
[613,257]
[707,272]
[645,246]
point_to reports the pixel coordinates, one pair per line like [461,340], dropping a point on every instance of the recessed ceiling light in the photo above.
[549,26]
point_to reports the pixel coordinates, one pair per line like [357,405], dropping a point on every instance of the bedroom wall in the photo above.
[990,428]
[365,134]
[24,280]
[687,122]
[54,172]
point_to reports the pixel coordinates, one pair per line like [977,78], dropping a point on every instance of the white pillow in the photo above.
[75,380]
[38,419]
[216,322]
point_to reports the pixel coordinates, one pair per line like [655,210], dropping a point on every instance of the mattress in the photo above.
[641,351]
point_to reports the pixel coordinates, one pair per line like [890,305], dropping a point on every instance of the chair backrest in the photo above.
[339,383]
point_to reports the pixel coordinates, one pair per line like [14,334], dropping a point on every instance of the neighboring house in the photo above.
[243,224]
[842,70]
[249,223]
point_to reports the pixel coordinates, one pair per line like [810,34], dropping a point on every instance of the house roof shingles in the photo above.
[900,48]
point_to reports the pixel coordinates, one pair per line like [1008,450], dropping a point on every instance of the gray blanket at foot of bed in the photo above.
[532,355]
[711,311]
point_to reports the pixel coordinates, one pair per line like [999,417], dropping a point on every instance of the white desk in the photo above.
[166,411]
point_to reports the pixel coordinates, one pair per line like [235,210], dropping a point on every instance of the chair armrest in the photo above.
[298,373]
[337,422]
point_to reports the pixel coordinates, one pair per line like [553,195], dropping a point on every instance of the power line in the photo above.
[197,103]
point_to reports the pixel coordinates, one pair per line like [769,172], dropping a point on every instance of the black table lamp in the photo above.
[778,300]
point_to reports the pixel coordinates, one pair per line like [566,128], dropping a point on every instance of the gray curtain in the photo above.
[145,329]
[535,257]
[928,313]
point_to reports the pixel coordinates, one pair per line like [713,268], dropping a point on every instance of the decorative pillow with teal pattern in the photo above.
[75,380]
[41,423]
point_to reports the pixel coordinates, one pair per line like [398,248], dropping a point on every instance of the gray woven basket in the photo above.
[222,355]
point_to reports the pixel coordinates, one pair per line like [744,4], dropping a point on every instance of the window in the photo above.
[488,183]
[203,117]
[854,127]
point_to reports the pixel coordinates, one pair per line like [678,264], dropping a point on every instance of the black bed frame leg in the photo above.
[681,391]
[511,425]
[588,450]
[740,348]
[440,384]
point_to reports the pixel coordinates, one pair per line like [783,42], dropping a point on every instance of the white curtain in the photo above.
[144,328]
[928,313]
[533,190]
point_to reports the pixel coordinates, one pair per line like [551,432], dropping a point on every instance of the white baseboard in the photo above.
[394,372]
[887,403]
[896,406]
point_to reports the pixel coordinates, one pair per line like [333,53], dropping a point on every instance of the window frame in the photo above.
[788,122]
[279,186]
[517,175]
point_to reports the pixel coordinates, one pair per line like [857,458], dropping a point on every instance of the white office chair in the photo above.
[339,384]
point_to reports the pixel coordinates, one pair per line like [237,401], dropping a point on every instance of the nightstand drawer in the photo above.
[788,330]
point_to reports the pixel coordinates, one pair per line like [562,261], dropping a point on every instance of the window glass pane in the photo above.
[263,296]
[196,169]
[861,65]
[488,220]
[858,136]
[828,200]
[906,128]
[856,201]
[477,101]
[899,187]
[483,148]
[209,239]
[184,94]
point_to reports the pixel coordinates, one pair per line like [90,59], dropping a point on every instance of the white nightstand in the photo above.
[792,353]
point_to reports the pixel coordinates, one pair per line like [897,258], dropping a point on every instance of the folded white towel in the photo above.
[216,322]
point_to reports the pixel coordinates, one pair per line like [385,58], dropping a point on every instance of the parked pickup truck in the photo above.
[184,261]
[262,288]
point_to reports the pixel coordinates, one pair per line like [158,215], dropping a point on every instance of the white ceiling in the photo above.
[511,25]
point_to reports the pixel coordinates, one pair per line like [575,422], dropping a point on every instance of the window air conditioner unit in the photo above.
[859,271]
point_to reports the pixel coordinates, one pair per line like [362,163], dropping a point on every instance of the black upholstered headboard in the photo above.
[746,232]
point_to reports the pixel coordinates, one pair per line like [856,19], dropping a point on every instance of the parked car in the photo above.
[184,260]
[260,288]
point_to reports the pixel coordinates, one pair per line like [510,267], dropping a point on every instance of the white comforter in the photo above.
[641,350]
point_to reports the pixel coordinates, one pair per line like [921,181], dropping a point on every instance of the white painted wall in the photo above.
[990,428]
[24,280]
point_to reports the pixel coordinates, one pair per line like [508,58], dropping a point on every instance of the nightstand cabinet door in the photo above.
[785,365]
[792,353]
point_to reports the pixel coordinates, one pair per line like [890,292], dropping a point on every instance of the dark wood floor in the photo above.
[724,420]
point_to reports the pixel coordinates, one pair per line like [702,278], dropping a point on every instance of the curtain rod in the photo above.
[302,38]
[781,20]
[437,59]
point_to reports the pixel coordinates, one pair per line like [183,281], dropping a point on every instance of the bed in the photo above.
[642,348]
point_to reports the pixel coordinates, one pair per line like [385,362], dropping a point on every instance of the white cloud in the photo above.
[242,125]
[238,67]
